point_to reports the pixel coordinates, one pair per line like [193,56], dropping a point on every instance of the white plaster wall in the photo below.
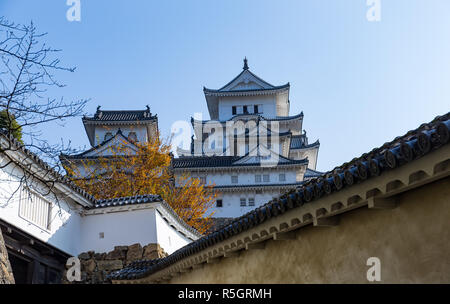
[100,132]
[168,238]
[226,103]
[231,203]
[248,177]
[64,232]
[119,228]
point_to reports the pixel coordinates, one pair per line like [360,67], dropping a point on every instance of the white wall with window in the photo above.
[55,221]
[266,106]
[235,204]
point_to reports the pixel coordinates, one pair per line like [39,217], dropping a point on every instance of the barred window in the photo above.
[282,177]
[251,201]
[219,203]
[243,202]
[257,178]
[234,179]
[35,208]
[266,178]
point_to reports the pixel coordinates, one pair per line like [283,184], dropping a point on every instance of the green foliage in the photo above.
[10,125]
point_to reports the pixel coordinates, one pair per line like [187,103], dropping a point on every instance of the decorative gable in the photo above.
[247,81]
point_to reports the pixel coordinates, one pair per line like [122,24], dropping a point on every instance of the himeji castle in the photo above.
[251,149]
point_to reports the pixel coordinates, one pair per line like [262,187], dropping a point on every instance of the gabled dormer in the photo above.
[247,94]
[137,125]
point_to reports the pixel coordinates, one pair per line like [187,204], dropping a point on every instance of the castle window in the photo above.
[257,178]
[219,203]
[234,179]
[108,135]
[282,177]
[255,109]
[266,178]
[251,201]
[243,202]
[233,109]
[132,137]
[35,208]
[202,180]
[245,110]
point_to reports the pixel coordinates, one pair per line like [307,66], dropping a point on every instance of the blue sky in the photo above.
[359,83]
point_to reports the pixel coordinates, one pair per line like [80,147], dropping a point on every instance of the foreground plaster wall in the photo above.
[412,242]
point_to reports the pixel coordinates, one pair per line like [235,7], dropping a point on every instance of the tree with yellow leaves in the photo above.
[145,169]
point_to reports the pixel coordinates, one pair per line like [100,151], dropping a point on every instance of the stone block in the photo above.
[110,265]
[88,265]
[134,252]
[119,253]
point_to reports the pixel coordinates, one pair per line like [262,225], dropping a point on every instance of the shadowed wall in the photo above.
[412,242]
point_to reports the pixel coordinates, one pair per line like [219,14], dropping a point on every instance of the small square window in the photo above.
[266,178]
[234,179]
[257,178]
[251,201]
[282,177]
[243,202]
[219,203]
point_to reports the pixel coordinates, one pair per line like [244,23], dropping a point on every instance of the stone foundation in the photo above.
[96,266]
[6,274]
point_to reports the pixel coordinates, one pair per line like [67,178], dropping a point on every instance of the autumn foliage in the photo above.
[145,170]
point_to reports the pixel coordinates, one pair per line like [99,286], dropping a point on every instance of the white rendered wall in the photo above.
[232,200]
[226,103]
[248,177]
[119,228]
[168,238]
[64,232]
[126,228]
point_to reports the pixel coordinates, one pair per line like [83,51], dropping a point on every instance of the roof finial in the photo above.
[245,64]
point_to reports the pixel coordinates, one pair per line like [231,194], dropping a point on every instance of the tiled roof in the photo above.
[130,200]
[139,115]
[258,116]
[413,145]
[222,161]
[310,173]
[274,88]
[203,161]
[300,142]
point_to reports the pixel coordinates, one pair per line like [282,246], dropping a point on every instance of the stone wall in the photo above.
[6,275]
[96,266]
